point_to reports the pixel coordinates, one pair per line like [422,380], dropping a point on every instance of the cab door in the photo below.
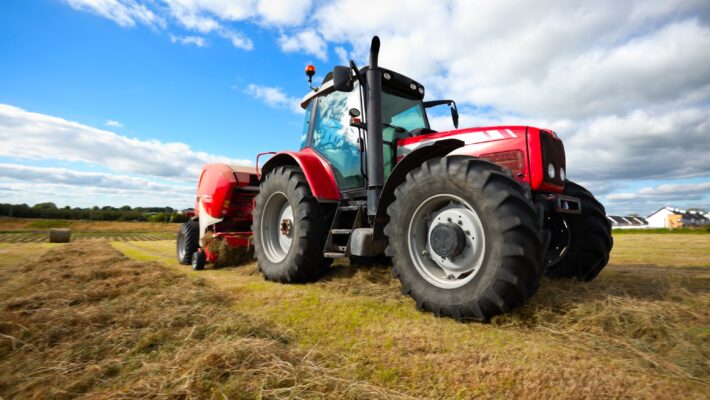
[337,141]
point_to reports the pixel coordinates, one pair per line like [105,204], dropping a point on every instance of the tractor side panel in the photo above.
[318,172]
[510,152]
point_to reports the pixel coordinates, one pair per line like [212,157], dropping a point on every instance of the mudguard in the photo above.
[399,174]
[318,172]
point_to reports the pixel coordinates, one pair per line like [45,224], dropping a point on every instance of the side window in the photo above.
[336,140]
[307,124]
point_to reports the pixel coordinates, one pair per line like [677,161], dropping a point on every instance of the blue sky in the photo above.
[114,102]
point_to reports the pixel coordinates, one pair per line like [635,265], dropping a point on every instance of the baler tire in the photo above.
[198,260]
[304,261]
[511,266]
[590,239]
[188,241]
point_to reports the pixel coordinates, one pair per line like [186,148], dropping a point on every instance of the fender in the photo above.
[399,174]
[318,172]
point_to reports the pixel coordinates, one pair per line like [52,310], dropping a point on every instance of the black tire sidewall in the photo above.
[304,260]
[187,242]
[492,256]
[512,263]
[278,182]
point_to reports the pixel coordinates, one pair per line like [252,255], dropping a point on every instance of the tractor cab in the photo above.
[334,128]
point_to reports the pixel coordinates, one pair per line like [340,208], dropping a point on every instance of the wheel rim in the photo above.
[277,227]
[446,272]
[561,238]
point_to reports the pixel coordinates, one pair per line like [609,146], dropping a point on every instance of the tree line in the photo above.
[107,213]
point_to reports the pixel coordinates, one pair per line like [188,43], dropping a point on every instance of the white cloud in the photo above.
[238,40]
[665,192]
[66,176]
[114,124]
[283,12]
[342,54]
[307,41]
[32,135]
[17,192]
[189,40]
[640,145]
[123,12]
[274,97]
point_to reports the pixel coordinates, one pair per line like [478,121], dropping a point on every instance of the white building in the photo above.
[659,219]
[681,218]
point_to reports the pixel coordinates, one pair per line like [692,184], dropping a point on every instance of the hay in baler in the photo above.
[226,255]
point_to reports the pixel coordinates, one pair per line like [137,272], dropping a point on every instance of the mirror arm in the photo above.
[357,73]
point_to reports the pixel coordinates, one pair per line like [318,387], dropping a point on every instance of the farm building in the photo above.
[629,222]
[668,217]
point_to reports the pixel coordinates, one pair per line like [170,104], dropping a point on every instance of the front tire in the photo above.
[492,268]
[290,228]
[590,240]
[188,241]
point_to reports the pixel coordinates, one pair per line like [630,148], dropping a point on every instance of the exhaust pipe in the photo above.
[375,160]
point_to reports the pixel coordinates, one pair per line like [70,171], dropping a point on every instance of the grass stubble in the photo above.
[86,321]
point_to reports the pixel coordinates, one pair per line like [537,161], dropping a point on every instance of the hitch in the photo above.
[564,204]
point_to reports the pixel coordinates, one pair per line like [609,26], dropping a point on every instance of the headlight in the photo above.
[551,171]
[562,174]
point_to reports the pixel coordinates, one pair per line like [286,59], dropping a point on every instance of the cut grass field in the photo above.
[641,330]
[23,230]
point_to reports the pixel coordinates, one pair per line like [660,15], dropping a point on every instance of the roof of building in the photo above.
[627,221]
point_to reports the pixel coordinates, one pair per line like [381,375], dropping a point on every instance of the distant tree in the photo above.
[45,206]
[178,218]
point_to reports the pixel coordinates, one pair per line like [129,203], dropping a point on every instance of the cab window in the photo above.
[306,124]
[336,140]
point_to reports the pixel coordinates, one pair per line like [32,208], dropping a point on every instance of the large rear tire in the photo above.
[490,265]
[290,228]
[590,240]
[188,240]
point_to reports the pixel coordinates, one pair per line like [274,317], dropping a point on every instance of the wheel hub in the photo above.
[277,227]
[286,226]
[447,240]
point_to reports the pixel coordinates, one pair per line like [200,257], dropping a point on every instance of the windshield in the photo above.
[403,112]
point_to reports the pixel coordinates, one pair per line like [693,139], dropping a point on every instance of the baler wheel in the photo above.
[465,241]
[590,239]
[290,228]
[198,260]
[188,241]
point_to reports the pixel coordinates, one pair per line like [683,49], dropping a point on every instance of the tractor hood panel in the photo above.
[467,135]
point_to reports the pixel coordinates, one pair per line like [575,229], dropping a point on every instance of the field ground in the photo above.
[22,230]
[85,319]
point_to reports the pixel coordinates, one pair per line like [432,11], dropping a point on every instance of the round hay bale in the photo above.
[59,235]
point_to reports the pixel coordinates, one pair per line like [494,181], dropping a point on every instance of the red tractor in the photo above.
[470,218]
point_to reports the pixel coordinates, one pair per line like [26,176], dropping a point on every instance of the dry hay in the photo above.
[84,321]
[57,235]
[226,255]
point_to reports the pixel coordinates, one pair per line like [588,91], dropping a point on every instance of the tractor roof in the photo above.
[397,83]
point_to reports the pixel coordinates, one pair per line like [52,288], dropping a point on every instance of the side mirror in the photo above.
[455,116]
[343,79]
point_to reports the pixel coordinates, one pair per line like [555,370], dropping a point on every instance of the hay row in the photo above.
[33,238]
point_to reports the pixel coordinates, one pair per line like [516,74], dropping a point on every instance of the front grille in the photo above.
[553,151]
